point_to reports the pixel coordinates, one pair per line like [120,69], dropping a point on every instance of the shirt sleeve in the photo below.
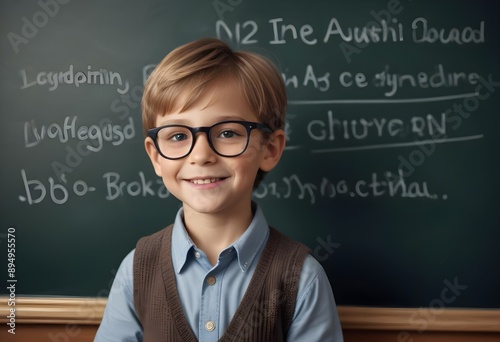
[315,317]
[120,322]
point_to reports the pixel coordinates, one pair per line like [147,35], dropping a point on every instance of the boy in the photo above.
[214,122]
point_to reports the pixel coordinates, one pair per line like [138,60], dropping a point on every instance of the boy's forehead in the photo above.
[217,101]
[217,93]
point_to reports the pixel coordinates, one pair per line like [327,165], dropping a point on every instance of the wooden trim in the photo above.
[54,310]
[78,310]
[419,319]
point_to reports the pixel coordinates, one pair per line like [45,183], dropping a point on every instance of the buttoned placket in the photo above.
[208,328]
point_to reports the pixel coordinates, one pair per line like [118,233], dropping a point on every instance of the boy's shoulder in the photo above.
[148,247]
[286,251]
[286,240]
[311,267]
[156,235]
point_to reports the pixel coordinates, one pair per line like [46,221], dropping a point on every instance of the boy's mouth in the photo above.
[205,181]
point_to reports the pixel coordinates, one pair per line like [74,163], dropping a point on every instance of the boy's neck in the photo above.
[212,233]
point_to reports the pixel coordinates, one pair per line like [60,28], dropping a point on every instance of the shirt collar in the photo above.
[247,246]
[181,242]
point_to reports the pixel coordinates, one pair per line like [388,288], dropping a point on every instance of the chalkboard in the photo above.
[391,171]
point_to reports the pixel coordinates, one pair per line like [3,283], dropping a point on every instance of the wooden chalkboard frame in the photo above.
[89,311]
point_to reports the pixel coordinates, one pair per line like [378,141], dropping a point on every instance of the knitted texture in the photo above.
[266,309]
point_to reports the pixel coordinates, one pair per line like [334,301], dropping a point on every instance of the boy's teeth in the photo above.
[204,181]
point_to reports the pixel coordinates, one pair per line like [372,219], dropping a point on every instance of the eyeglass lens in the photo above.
[228,139]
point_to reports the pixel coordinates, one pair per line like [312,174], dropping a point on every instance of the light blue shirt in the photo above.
[212,293]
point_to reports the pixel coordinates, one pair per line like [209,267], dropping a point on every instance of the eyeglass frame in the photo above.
[249,126]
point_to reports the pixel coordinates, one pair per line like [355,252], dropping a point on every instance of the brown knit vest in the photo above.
[264,314]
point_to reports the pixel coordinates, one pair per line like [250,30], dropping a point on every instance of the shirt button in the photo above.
[210,326]
[211,280]
[197,255]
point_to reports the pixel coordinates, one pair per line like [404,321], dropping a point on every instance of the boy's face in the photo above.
[204,181]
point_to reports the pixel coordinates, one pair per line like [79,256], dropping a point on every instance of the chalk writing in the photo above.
[422,79]
[95,134]
[390,82]
[388,184]
[36,191]
[52,79]
[116,188]
[322,83]
[250,27]
[422,33]
[280,32]
[331,128]
[384,30]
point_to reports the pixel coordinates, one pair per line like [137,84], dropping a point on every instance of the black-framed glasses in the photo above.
[226,138]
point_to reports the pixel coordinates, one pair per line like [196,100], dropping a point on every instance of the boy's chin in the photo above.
[210,206]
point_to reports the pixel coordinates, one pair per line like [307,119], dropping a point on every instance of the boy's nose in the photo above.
[202,153]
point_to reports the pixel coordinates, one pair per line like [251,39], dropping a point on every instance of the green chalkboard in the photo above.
[391,171]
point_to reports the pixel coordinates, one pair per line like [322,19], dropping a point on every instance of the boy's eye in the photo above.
[178,137]
[174,134]
[227,134]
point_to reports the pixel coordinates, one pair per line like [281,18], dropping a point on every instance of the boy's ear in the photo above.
[274,149]
[153,154]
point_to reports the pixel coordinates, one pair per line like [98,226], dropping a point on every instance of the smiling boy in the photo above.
[214,121]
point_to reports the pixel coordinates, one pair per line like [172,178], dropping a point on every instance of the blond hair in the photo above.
[192,67]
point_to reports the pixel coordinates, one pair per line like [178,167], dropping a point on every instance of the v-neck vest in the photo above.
[265,311]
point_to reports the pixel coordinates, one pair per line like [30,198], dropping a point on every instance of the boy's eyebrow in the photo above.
[230,117]
[173,122]
[182,121]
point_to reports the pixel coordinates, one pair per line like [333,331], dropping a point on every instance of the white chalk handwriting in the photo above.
[374,32]
[37,191]
[96,135]
[53,79]
[389,184]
